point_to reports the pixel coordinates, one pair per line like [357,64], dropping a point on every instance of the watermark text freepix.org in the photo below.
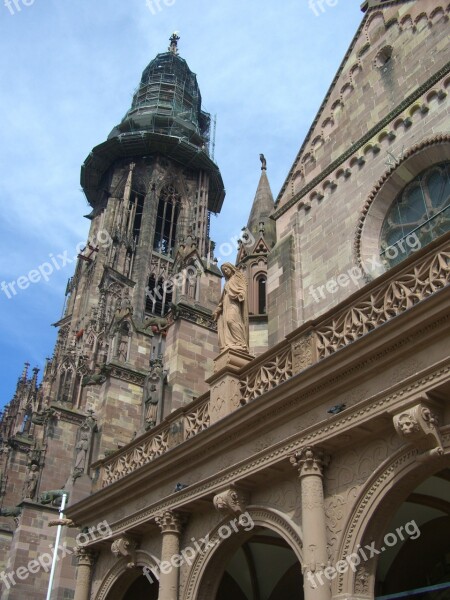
[44,271]
[16,5]
[372,264]
[352,561]
[188,554]
[44,561]
[320,6]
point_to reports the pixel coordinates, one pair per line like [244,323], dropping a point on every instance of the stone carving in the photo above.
[362,581]
[52,497]
[10,511]
[267,376]
[97,377]
[125,547]
[231,501]
[82,448]
[31,483]
[310,461]
[153,392]
[169,522]
[198,420]
[232,311]
[87,429]
[386,302]
[135,457]
[302,354]
[62,522]
[419,426]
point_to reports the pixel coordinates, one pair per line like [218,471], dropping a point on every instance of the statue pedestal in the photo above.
[224,384]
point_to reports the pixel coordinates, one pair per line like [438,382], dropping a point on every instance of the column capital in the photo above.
[85,556]
[310,461]
[169,521]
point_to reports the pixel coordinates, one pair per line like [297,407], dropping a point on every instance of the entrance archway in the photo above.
[133,585]
[264,568]
[268,555]
[420,562]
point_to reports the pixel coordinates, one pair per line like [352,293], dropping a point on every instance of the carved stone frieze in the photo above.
[125,547]
[232,500]
[418,425]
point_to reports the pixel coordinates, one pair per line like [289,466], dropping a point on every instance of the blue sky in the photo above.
[68,72]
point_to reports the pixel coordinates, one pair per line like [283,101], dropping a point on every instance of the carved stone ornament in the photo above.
[310,461]
[362,581]
[85,557]
[419,426]
[230,501]
[169,522]
[125,546]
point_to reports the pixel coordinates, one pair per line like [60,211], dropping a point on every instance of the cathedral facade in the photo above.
[310,460]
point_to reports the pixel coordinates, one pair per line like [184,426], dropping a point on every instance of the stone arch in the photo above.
[380,497]
[205,571]
[120,571]
[421,156]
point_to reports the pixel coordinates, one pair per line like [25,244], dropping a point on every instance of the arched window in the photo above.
[166,221]
[261,291]
[419,214]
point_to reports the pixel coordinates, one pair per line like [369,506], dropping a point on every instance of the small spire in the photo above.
[24,376]
[174,43]
[263,160]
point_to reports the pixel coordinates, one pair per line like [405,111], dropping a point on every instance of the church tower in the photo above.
[137,338]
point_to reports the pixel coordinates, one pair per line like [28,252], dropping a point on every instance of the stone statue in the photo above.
[232,313]
[82,448]
[31,482]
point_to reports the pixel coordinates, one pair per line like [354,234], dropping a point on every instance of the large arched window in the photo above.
[418,215]
[166,220]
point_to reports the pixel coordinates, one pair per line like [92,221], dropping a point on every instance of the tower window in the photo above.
[166,221]
[158,296]
[262,294]
[419,214]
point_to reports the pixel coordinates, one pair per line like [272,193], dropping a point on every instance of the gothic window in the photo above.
[166,221]
[65,384]
[261,294]
[419,214]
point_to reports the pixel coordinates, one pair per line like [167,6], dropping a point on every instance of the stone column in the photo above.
[170,524]
[310,463]
[86,560]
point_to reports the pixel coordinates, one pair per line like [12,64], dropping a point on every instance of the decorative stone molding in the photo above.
[231,501]
[310,461]
[418,425]
[125,547]
[169,522]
